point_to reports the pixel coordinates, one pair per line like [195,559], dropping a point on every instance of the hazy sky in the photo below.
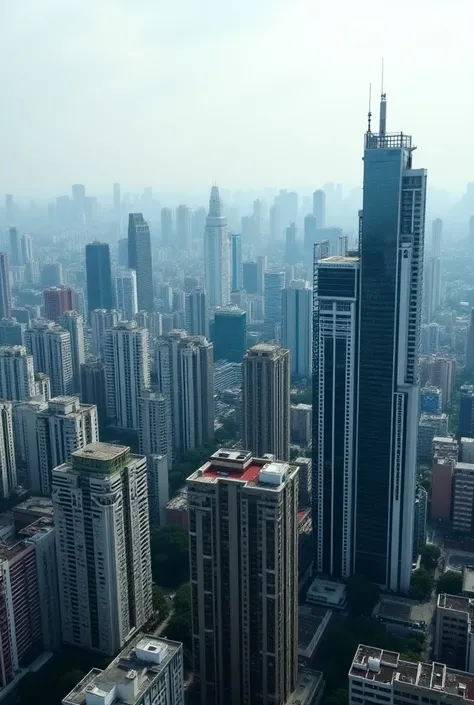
[181,93]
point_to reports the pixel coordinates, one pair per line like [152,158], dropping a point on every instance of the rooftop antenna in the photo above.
[383,107]
[369,114]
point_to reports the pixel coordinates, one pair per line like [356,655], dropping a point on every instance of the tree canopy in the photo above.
[422,584]
[450,582]
[169,555]
[430,555]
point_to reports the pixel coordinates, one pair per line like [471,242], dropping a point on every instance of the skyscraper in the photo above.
[291,252]
[104,565]
[8,481]
[183,228]
[244,578]
[99,276]
[127,301]
[235,262]
[127,372]
[12,332]
[197,314]
[50,346]
[436,235]
[140,259]
[5,290]
[319,208]
[266,401]
[297,326]
[57,300]
[17,376]
[167,227]
[274,283]
[230,334]
[335,367]
[74,324]
[15,252]
[101,320]
[185,376]
[64,426]
[26,248]
[216,254]
[392,246]
[470,343]
[432,287]
[93,388]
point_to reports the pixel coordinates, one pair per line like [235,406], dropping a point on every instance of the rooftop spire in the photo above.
[383,107]
[215,203]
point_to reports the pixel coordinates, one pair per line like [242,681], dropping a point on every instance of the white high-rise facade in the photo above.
[7,451]
[127,302]
[17,376]
[127,372]
[100,505]
[186,377]
[63,427]
[297,305]
[197,314]
[101,320]
[50,346]
[273,287]
[74,323]
[266,400]
[216,254]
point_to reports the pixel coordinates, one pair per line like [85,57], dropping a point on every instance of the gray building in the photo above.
[140,259]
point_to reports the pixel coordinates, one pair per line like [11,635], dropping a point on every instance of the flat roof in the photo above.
[36,505]
[307,684]
[468,579]
[100,451]
[340,258]
[383,666]
[239,465]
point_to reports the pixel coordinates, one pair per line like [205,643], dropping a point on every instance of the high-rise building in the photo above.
[8,481]
[43,385]
[123,252]
[127,372]
[440,371]
[93,389]
[391,247]
[167,227]
[57,300]
[274,283]
[5,289]
[101,320]
[429,338]
[127,302]
[466,410]
[74,324]
[12,332]
[445,457]
[266,401]
[15,252]
[431,400]
[140,259]
[99,276]
[245,585]
[296,333]
[197,314]
[310,236]
[235,261]
[470,343]
[335,366]
[104,565]
[229,334]
[26,248]
[319,208]
[26,441]
[52,274]
[436,235]
[155,437]
[419,521]
[63,427]
[291,250]
[250,277]
[216,254]
[50,346]
[183,228]
[432,287]
[185,376]
[148,670]
[262,267]
[17,375]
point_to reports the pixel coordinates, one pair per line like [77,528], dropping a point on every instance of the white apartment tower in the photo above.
[17,375]
[216,254]
[266,400]
[297,304]
[127,302]
[103,546]
[63,427]
[74,323]
[244,578]
[101,320]
[335,328]
[7,451]
[50,346]
[127,372]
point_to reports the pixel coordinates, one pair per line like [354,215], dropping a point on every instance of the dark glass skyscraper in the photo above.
[229,334]
[99,276]
[139,259]
[235,261]
[391,249]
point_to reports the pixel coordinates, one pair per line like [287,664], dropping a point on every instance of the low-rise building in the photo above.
[327,593]
[454,638]
[301,420]
[177,509]
[463,498]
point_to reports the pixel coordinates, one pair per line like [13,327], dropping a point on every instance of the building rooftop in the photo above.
[329,593]
[265,349]
[308,683]
[42,506]
[180,502]
[128,676]
[100,451]
[457,603]
[239,465]
[337,259]
[468,579]
[383,666]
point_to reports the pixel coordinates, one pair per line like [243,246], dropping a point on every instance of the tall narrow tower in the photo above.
[139,259]
[216,253]
[392,246]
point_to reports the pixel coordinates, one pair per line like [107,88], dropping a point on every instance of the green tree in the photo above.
[337,697]
[430,555]
[160,604]
[169,555]
[182,599]
[450,582]
[422,584]
[362,595]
